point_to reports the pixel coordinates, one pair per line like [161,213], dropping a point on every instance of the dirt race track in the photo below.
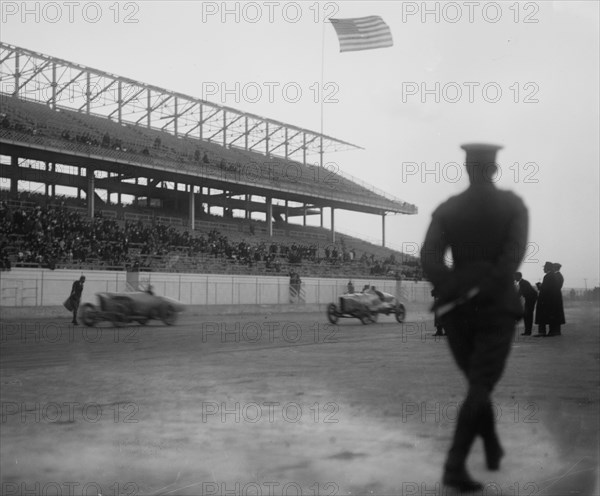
[284,404]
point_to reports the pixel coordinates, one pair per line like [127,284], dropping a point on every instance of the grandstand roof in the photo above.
[244,148]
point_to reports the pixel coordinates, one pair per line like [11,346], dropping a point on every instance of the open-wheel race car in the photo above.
[366,307]
[123,308]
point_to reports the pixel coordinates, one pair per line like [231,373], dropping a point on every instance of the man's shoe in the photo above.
[525,334]
[493,455]
[461,480]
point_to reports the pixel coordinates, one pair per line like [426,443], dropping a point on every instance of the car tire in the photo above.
[366,318]
[88,314]
[332,313]
[168,315]
[400,312]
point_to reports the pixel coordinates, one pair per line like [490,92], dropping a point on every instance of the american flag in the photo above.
[362,33]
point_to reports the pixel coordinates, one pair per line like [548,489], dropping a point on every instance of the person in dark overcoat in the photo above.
[530,295]
[75,296]
[559,276]
[550,311]
[486,230]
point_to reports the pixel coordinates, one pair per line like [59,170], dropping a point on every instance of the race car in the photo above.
[366,306]
[123,308]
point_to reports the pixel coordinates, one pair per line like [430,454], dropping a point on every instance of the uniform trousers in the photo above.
[480,345]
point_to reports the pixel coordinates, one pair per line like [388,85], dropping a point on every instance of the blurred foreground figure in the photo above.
[486,230]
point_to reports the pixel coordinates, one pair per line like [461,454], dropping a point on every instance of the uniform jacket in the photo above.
[486,230]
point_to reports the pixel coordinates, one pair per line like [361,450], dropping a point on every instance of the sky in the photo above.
[524,75]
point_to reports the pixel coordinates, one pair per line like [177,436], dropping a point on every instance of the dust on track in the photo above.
[376,406]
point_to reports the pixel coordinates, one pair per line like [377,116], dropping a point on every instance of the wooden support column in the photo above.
[383,229]
[270,217]
[14,179]
[332,225]
[52,166]
[91,190]
[47,185]
[192,207]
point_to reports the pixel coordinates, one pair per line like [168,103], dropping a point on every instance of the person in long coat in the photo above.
[75,297]
[550,311]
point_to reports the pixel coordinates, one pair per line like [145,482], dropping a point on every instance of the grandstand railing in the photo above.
[58,146]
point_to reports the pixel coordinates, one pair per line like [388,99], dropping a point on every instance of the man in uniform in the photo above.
[486,230]
[75,297]
[530,296]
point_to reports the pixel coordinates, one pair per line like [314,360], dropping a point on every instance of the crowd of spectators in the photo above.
[94,139]
[57,234]
[191,151]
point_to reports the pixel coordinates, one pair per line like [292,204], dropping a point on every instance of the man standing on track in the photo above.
[486,230]
[75,297]
[530,296]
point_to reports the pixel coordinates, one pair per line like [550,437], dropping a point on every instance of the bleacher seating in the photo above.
[239,251]
[75,131]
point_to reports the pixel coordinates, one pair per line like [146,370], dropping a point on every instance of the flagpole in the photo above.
[320,93]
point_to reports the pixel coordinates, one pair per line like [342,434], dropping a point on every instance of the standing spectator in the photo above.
[437,321]
[486,230]
[530,296]
[559,277]
[350,287]
[75,297]
[550,311]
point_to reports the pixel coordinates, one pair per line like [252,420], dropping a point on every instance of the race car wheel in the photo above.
[143,321]
[374,316]
[88,314]
[400,312]
[168,315]
[332,313]
[366,318]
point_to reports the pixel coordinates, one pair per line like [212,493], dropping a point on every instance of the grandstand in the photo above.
[135,156]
